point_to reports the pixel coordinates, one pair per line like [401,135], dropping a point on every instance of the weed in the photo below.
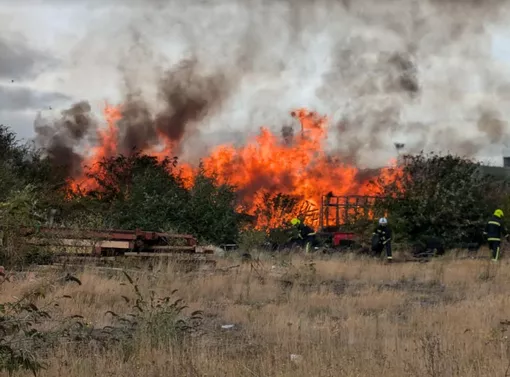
[161,320]
[21,335]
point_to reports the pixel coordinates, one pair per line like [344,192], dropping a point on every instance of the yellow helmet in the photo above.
[295,221]
[498,213]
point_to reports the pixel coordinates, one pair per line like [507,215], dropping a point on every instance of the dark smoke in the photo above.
[136,125]
[287,135]
[61,137]
[407,76]
[394,71]
[189,97]
[491,124]
[186,96]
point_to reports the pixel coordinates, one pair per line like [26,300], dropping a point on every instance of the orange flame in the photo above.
[262,169]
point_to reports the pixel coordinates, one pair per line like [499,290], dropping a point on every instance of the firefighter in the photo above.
[381,239]
[494,229]
[305,234]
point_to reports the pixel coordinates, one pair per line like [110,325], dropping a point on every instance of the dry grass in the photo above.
[342,316]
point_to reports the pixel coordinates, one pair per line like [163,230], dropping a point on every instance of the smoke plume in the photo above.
[420,73]
[61,137]
[186,97]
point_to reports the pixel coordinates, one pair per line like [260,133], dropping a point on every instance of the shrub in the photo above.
[447,197]
[252,239]
[211,214]
[19,210]
[160,320]
[139,191]
[22,338]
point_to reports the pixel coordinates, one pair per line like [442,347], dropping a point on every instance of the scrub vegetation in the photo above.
[288,315]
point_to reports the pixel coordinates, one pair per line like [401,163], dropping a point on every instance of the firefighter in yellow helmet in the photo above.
[494,230]
[305,234]
[295,221]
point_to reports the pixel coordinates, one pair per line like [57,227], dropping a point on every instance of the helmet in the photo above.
[295,221]
[383,221]
[498,213]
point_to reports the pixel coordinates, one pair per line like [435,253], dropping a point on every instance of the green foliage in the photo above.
[211,213]
[139,191]
[21,337]
[160,320]
[21,209]
[440,196]
[252,239]
[23,164]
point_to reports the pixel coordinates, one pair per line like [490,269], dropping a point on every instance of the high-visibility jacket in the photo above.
[494,229]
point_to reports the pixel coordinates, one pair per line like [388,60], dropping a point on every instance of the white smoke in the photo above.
[416,72]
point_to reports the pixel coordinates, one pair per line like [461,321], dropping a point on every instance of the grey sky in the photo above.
[70,51]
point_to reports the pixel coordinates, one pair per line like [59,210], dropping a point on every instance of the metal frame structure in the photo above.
[338,211]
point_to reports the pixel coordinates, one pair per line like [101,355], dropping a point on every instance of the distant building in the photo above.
[502,172]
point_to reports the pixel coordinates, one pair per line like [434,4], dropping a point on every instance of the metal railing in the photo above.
[337,211]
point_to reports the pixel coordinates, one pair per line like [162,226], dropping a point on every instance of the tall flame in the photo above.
[262,169]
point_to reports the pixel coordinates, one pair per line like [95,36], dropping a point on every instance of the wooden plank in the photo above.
[168,247]
[115,244]
[66,242]
[148,254]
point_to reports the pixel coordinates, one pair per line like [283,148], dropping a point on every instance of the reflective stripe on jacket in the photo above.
[495,229]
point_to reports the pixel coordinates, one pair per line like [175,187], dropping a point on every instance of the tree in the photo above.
[23,164]
[21,209]
[211,210]
[440,196]
[140,191]
[137,191]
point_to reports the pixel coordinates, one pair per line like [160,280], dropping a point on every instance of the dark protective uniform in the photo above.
[494,230]
[381,239]
[306,235]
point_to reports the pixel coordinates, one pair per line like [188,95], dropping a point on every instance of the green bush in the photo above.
[20,209]
[447,197]
[210,211]
[138,191]
[159,320]
[22,164]
[28,332]
[252,239]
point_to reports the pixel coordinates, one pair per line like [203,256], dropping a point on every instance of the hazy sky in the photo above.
[60,52]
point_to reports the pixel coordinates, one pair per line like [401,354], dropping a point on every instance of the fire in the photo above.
[264,168]
[107,147]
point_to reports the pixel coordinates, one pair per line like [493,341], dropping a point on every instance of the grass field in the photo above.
[292,316]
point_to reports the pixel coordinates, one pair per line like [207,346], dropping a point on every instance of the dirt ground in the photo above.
[294,315]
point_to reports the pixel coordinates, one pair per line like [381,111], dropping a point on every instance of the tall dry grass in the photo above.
[336,316]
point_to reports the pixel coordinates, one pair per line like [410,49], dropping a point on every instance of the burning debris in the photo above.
[264,169]
[385,64]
